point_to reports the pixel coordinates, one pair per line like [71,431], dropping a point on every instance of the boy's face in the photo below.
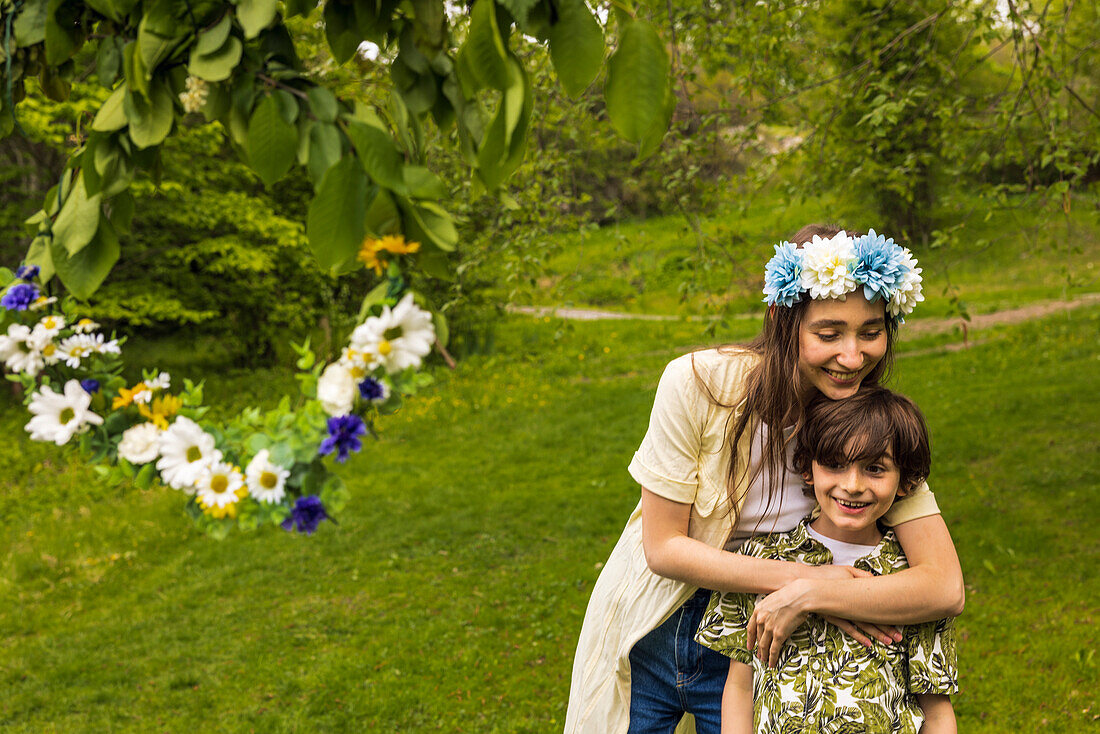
[853,496]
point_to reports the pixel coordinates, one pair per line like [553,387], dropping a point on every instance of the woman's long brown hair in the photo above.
[773,389]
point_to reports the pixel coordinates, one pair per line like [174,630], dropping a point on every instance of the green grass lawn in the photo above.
[450,595]
[661,265]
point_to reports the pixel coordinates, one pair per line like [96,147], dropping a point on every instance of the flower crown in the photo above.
[836,266]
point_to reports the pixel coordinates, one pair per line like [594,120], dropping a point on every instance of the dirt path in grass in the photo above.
[922,327]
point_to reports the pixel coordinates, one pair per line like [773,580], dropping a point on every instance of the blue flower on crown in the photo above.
[783,276]
[878,265]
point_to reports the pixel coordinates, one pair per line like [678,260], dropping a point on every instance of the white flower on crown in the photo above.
[161,382]
[336,389]
[908,291]
[266,480]
[399,338]
[219,485]
[85,326]
[50,325]
[826,271]
[185,452]
[140,444]
[60,416]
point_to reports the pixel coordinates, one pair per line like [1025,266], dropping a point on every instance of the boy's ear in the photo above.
[808,478]
[904,488]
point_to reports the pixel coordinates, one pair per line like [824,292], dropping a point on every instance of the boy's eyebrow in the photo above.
[822,323]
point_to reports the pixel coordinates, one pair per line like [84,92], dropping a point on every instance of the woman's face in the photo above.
[840,342]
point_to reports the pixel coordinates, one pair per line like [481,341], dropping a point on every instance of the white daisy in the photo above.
[185,452]
[75,348]
[219,485]
[161,382]
[143,397]
[400,338]
[52,325]
[336,389]
[59,416]
[42,301]
[358,363]
[908,291]
[105,347]
[85,326]
[140,444]
[825,266]
[266,481]
[18,350]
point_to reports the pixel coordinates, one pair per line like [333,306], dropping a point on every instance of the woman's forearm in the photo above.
[931,588]
[671,553]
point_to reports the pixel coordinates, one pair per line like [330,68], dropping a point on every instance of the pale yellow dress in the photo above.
[684,458]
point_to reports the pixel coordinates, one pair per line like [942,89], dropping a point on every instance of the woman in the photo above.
[712,474]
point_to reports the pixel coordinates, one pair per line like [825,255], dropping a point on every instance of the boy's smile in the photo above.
[853,496]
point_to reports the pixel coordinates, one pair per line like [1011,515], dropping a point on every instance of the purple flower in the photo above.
[19,297]
[26,272]
[373,390]
[90,386]
[306,515]
[343,436]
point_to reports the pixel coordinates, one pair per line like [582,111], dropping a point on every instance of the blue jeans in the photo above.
[671,674]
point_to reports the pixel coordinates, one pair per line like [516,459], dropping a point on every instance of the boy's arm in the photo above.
[737,709]
[939,715]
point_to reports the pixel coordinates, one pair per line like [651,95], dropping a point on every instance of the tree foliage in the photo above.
[238,64]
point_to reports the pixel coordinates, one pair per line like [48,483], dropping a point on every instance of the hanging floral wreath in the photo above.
[259,468]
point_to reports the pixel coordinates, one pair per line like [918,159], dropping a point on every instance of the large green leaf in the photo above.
[334,224]
[484,48]
[520,8]
[378,154]
[78,220]
[324,149]
[272,141]
[83,272]
[429,222]
[576,46]
[39,254]
[61,31]
[340,30]
[255,15]
[111,115]
[150,121]
[30,25]
[218,65]
[637,82]
[323,103]
[213,39]
[505,140]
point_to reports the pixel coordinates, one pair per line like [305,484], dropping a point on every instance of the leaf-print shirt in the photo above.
[825,681]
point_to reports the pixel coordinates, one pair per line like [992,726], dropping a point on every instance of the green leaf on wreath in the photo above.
[30,25]
[334,225]
[325,147]
[272,141]
[83,272]
[340,30]
[576,46]
[78,220]
[214,38]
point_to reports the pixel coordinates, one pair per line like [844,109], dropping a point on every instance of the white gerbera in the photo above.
[85,326]
[908,291]
[140,444]
[336,389]
[161,382]
[19,352]
[266,480]
[826,271]
[218,485]
[185,452]
[59,416]
[400,338]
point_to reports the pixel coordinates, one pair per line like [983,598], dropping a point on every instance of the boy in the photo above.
[856,456]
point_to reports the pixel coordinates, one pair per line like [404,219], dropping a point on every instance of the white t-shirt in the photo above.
[844,554]
[788,506]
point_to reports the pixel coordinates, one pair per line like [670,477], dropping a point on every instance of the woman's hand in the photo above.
[861,632]
[775,617]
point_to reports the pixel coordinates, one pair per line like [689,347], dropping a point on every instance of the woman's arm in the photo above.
[670,552]
[939,715]
[737,711]
[931,588]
